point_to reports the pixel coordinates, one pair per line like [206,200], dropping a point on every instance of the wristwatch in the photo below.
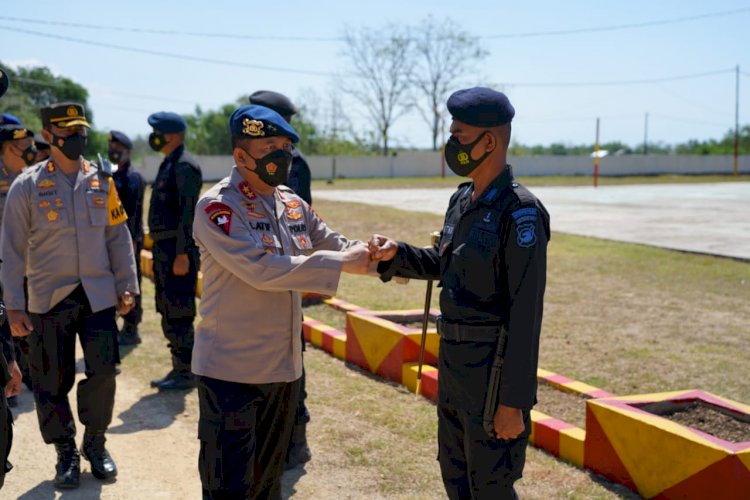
[128,299]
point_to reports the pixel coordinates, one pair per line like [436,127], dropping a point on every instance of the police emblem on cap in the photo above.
[253,128]
[72,111]
[19,134]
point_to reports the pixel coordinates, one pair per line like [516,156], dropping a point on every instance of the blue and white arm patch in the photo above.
[525,220]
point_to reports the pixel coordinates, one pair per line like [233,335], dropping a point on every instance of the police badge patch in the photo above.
[525,219]
[220,214]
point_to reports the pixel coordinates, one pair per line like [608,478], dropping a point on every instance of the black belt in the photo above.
[460,332]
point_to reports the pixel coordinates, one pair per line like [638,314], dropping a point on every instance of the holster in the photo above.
[493,388]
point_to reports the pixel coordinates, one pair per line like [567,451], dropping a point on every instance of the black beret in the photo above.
[14,133]
[117,136]
[40,142]
[4,82]
[167,122]
[481,107]
[277,102]
[64,114]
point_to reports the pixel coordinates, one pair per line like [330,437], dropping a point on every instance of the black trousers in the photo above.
[244,431]
[6,436]
[136,313]
[175,301]
[473,465]
[52,366]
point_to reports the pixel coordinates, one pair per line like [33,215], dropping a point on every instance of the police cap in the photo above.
[253,122]
[277,102]
[117,136]
[64,115]
[167,122]
[4,82]
[14,133]
[481,107]
[8,119]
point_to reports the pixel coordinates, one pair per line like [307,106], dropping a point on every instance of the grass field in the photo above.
[627,318]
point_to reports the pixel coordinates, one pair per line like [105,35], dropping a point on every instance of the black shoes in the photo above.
[299,452]
[68,468]
[129,335]
[174,381]
[93,450]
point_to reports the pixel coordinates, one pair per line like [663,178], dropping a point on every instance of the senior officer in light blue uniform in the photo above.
[63,229]
[261,245]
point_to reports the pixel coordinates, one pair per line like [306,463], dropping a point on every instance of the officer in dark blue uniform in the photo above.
[299,180]
[299,174]
[170,219]
[491,262]
[130,187]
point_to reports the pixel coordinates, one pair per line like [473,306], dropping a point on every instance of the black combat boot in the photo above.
[68,468]
[299,451]
[169,376]
[179,378]
[129,334]
[102,465]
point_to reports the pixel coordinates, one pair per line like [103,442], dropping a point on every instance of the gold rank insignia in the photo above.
[268,240]
[50,167]
[58,202]
[85,167]
[72,111]
[52,215]
[256,215]
[253,128]
[46,184]
[44,204]
[19,134]
[293,215]
[99,201]
[247,190]
[94,183]
[293,204]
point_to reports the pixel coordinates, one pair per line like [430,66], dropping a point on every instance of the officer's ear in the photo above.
[242,158]
[47,135]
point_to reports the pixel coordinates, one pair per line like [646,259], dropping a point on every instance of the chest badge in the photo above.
[52,215]
[46,184]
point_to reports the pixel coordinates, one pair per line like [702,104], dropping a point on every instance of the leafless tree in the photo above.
[445,57]
[381,62]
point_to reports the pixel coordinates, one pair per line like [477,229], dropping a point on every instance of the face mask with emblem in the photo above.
[72,146]
[458,156]
[281,159]
[157,141]
[29,155]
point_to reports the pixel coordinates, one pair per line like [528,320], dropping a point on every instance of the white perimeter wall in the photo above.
[425,164]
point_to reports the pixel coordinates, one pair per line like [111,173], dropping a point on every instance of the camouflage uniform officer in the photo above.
[64,230]
[170,219]
[17,151]
[130,188]
[261,246]
[299,182]
[491,261]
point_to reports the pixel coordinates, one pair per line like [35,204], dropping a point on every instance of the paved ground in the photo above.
[704,218]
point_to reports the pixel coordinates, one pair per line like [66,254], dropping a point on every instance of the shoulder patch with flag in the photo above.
[220,214]
[115,210]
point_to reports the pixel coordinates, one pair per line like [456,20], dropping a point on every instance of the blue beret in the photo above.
[167,122]
[6,119]
[277,102]
[481,107]
[4,82]
[253,121]
[117,136]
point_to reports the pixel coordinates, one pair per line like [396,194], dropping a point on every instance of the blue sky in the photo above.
[125,87]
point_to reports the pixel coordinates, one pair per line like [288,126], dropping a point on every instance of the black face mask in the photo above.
[29,155]
[72,146]
[281,158]
[115,155]
[458,156]
[157,141]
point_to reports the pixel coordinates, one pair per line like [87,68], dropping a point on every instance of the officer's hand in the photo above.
[382,247]
[508,422]
[20,324]
[13,388]
[125,303]
[181,265]
[356,260]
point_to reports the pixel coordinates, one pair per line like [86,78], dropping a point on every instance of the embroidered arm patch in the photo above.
[220,214]
[115,210]
[525,219]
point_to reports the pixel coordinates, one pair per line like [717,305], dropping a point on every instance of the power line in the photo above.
[166,54]
[243,36]
[619,82]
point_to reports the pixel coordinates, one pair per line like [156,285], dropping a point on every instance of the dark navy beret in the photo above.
[481,107]
[7,119]
[167,122]
[117,136]
[4,82]
[253,121]
[277,102]
[14,133]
